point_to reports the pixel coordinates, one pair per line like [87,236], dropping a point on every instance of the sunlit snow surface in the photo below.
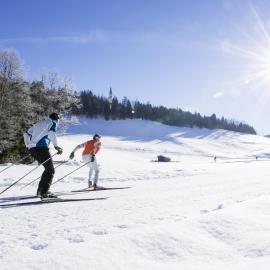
[191,213]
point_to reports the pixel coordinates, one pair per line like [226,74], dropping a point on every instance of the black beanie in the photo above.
[96,135]
[54,116]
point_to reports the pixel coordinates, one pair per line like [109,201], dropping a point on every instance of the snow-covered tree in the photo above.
[11,64]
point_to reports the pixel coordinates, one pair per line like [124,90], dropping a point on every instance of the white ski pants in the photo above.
[93,167]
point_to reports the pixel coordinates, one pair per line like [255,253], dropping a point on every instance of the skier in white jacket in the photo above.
[37,139]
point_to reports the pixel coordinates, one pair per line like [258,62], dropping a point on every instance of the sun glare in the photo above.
[255,58]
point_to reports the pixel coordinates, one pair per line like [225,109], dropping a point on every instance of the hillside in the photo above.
[174,140]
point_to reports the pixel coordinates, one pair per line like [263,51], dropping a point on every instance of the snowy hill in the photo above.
[175,140]
[191,213]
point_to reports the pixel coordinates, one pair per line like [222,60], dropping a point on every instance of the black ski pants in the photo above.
[41,154]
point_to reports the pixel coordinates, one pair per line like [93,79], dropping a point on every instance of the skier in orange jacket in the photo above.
[91,148]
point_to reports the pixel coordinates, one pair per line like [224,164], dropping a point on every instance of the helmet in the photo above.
[54,116]
[96,136]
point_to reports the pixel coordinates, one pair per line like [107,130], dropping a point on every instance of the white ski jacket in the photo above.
[41,134]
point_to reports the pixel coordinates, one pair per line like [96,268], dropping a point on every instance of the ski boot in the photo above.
[90,184]
[48,195]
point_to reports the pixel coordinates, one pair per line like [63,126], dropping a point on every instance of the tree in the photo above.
[11,65]
[11,68]
[115,109]
[16,115]
[53,81]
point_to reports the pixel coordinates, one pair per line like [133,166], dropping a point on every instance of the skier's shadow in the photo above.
[17,198]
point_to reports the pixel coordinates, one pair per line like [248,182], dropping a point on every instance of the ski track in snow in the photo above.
[189,214]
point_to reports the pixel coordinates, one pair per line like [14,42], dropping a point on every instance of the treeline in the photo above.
[93,106]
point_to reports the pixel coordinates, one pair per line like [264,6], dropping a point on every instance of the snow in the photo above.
[191,213]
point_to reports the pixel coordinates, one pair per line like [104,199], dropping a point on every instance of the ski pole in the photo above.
[70,173]
[28,184]
[26,174]
[14,163]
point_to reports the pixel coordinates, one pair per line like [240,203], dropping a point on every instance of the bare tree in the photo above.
[50,80]
[67,84]
[11,64]
[11,68]
[54,81]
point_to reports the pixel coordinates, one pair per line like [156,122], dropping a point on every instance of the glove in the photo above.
[71,156]
[59,150]
[92,158]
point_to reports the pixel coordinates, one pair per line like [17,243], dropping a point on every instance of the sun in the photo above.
[254,55]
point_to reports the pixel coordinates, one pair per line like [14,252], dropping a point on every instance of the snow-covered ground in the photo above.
[191,213]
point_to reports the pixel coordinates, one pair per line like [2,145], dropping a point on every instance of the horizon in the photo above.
[198,56]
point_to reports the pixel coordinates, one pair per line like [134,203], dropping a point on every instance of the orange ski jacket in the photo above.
[91,147]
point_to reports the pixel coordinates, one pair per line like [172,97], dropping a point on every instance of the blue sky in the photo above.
[205,56]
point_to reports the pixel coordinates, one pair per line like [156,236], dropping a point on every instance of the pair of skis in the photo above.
[56,200]
[46,201]
[98,189]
